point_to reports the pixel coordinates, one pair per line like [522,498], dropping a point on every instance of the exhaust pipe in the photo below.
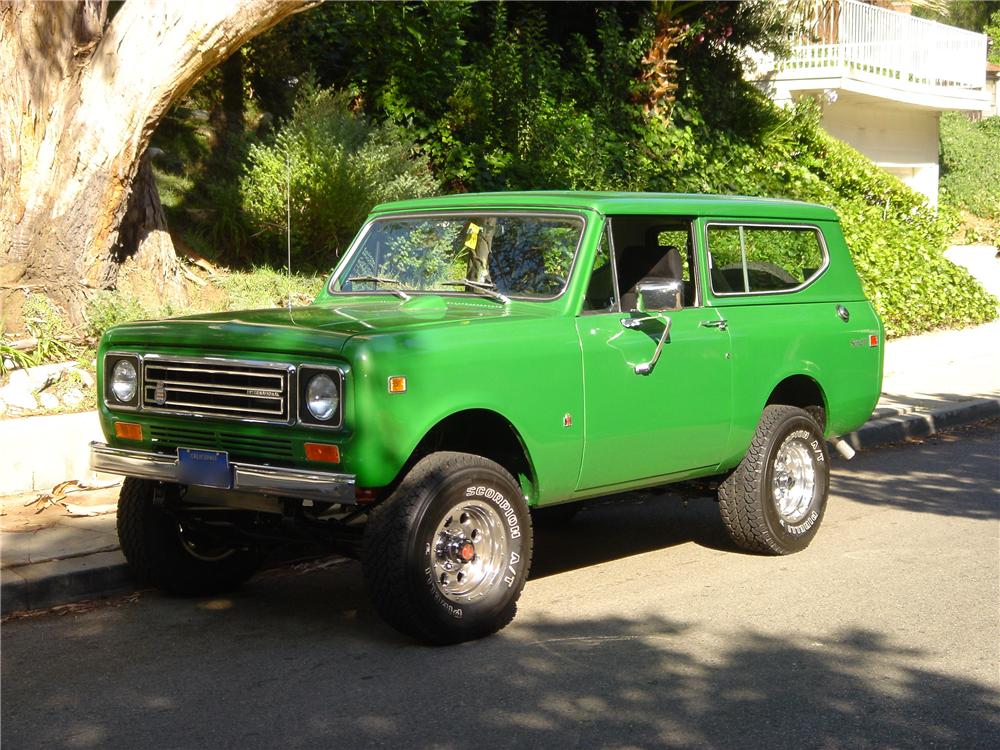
[844,448]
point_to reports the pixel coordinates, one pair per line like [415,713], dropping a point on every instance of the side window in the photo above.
[600,293]
[652,247]
[748,259]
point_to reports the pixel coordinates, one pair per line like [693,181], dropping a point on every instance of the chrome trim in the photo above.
[117,405]
[293,388]
[221,360]
[282,369]
[764,225]
[326,486]
[302,383]
[582,216]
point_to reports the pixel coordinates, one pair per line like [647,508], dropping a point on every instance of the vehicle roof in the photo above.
[681,204]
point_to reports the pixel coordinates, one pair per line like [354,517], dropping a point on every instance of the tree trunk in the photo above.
[79,100]
[144,256]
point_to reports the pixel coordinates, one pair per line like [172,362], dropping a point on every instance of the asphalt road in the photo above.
[641,627]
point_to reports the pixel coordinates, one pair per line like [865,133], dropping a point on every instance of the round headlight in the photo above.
[322,397]
[124,380]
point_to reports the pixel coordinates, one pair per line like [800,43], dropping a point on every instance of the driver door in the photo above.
[675,419]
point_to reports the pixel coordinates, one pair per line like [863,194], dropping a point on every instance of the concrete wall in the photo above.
[36,453]
[902,140]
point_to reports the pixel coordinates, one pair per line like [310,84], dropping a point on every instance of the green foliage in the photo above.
[13,359]
[970,163]
[267,287]
[45,322]
[106,309]
[992,30]
[339,165]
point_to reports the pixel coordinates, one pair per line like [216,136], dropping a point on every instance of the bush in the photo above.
[108,309]
[340,166]
[970,164]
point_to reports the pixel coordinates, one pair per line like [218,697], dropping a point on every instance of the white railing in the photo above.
[858,39]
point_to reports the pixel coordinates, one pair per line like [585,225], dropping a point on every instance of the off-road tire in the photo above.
[151,540]
[747,500]
[402,542]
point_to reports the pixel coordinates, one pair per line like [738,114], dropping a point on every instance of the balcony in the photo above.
[875,52]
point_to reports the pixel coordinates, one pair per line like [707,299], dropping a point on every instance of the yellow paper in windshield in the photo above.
[472,236]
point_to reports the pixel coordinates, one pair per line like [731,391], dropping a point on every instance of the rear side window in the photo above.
[749,259]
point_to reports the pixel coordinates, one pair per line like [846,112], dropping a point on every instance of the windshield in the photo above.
[489,255]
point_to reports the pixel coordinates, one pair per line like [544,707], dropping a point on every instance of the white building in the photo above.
[882,78]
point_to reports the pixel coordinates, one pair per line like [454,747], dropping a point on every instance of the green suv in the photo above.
[476,359]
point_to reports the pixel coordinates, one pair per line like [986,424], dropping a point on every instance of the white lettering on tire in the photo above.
[501,502]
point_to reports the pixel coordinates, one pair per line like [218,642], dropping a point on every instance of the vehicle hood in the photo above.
[322,328]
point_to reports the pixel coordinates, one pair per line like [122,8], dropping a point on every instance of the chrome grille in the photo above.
[217,388]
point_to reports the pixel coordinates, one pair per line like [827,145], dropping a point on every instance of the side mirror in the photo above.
[659,295]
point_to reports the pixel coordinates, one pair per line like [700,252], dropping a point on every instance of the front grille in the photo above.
[217,388]
[235,444]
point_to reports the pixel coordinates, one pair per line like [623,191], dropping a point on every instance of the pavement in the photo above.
[51,558]
[641,626]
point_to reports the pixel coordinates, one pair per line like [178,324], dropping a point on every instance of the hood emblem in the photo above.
[160,394]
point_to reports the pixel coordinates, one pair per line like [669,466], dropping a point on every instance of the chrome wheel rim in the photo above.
[203,552]
[793,480]
[469,551]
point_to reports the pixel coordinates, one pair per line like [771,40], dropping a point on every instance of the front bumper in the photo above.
[325,486]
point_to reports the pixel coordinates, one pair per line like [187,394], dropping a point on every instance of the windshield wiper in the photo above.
[489,290]
[383,280]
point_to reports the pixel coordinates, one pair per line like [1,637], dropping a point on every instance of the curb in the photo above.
[916,424]
[56,582]
[49,584]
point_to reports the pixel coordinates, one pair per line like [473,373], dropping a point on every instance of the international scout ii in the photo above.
[478,358]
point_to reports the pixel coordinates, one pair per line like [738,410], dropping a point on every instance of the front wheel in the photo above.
[163,552]
[774,501]
[446,555]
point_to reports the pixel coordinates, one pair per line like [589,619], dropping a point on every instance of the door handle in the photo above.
[720,324]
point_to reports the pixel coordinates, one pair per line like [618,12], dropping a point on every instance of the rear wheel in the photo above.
[775,499]
[446,555]
[180,559]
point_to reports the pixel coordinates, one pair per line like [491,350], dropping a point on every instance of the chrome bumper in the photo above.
[325,486]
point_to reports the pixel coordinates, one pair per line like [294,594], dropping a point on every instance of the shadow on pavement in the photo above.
[247,674]
[625,525]
[924,479]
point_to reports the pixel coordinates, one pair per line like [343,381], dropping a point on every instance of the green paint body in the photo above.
[541,364]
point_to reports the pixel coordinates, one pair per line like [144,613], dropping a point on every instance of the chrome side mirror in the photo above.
[655,296]
[659,295]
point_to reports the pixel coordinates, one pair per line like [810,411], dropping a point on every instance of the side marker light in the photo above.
[873,340]
[323,452]
[397,384]
[128,430]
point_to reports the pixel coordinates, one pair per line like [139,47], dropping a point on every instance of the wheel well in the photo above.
[484,433]
[801,391]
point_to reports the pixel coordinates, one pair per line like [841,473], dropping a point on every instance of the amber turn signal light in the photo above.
[128,430]
[323,452]
[397,384]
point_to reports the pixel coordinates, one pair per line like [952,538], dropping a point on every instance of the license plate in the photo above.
[204,468]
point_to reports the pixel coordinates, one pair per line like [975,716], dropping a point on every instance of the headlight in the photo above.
[124,381]
[322,398]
